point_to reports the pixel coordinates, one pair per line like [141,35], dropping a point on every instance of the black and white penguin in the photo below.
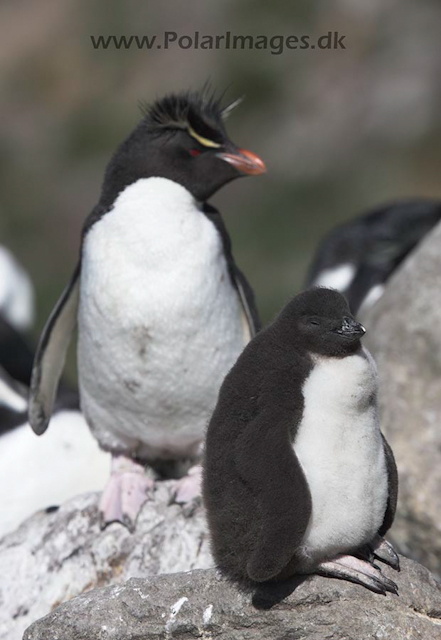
[298,477]
[16,355]
[16,292]
[37,474]
[13,402]
[16,318]
[358,257]
[163,311]
[29,466]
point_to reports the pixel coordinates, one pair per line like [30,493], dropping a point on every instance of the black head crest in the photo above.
[199,111]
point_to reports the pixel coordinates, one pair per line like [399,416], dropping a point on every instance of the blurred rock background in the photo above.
[340,130]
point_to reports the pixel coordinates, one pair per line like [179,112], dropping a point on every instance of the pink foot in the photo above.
[125,493]
[355,570]
[188,488]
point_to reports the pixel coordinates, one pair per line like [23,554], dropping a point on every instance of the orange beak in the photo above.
[245,161]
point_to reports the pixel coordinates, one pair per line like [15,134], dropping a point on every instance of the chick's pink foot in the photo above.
[348,567]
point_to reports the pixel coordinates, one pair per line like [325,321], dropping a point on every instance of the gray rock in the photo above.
[405,338]
[200,604]
[54,557]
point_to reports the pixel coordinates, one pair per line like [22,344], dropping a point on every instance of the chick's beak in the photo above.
[351,327]
[244,161]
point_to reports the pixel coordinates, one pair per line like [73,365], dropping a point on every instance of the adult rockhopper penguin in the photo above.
[297,476]
[163,312]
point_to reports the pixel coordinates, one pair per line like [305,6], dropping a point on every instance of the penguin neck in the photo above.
[154,187]
[154,206]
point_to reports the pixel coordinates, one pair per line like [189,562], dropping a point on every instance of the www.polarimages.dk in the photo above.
[276,44]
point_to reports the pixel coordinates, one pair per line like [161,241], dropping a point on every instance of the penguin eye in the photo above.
[195,152]
[314,321]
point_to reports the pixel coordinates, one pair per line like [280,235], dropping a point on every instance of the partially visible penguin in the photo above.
[163,311]
[16,292]
[16,354]
[42,473]
[359,256]
[17,310]
[298,477]
[16,317]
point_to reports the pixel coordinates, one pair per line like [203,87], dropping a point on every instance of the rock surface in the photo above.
[200,604]
[54,557]
[405,339]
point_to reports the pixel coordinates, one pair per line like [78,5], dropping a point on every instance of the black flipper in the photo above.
[238,279]
[51,355]
[392,475]
[267,464]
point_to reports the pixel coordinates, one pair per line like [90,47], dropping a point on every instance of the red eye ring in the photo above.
[195,152]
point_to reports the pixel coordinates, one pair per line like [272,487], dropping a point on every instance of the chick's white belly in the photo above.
[340,448]
[150,373]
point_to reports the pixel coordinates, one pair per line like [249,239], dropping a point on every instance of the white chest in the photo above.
[340,448]
[160,322]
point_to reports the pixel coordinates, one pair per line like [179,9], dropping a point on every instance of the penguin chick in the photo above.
[163,311]
[297,476]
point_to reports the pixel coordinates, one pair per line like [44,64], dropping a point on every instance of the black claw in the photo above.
[370,582]
[386,553]
[128,523]
[388,584]
[390,561]
[395,562]
[391,585]
[377,583]
[125,522]
[380,584]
